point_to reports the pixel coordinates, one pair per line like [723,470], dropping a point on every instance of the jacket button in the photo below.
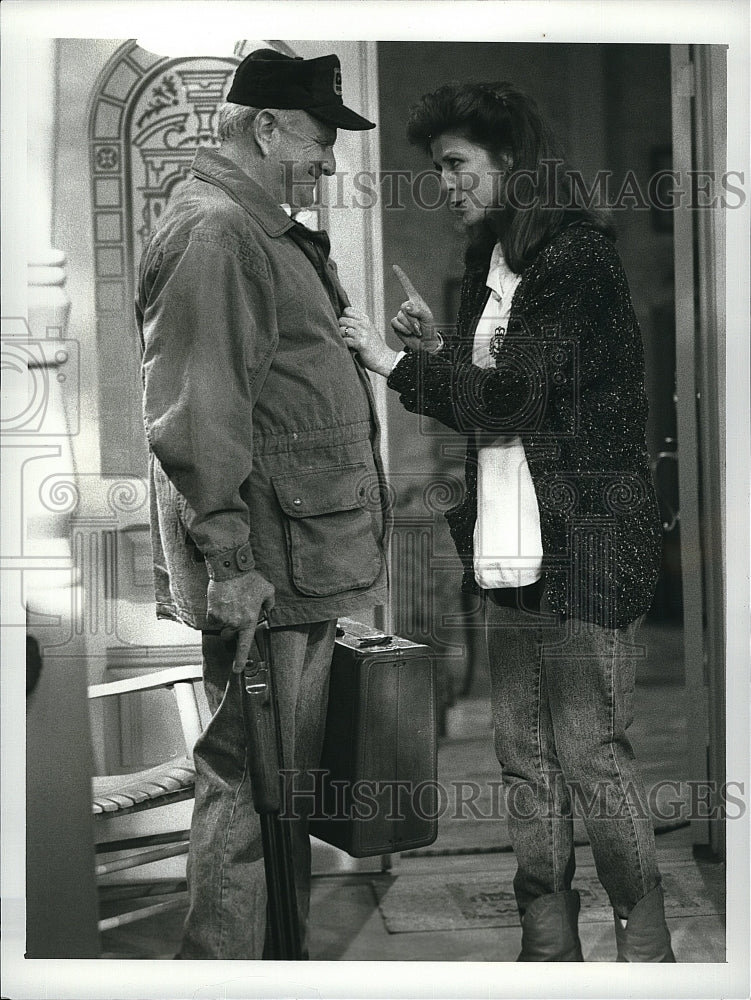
[243,558]
[297,501]
[226,562]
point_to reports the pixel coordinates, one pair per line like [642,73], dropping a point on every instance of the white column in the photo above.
[357,232]
[39,581]
[353,220]
[53,362]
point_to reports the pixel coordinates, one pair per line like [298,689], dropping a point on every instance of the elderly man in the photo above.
[264,458]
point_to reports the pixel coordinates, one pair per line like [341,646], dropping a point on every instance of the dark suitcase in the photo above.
[379,790]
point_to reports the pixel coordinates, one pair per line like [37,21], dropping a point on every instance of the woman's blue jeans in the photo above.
[562,700]
[226,879]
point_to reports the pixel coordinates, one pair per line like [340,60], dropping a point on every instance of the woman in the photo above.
[559,529]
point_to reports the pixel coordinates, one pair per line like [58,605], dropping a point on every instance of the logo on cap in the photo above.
[338,81]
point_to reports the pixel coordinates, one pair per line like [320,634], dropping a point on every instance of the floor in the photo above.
[347,922]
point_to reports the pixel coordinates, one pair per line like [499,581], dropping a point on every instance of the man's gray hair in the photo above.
[237,119]
[234,119]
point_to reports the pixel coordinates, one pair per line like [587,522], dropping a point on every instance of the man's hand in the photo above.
[414,323]
[235,606]
[360,335]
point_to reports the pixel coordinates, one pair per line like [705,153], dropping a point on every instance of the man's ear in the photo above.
[265,130]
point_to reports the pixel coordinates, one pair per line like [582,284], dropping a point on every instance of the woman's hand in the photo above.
[414,323]
[360,335]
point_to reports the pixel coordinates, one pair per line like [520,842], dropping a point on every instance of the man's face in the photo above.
[469,174]
[306,151]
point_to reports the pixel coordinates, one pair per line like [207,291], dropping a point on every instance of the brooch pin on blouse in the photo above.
[496,341]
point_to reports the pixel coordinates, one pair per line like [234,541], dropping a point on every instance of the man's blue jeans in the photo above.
[562,700]
[226,881]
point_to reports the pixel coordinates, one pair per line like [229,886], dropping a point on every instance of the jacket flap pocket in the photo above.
[323,491]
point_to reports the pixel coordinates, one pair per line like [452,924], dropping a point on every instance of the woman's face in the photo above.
[470,175]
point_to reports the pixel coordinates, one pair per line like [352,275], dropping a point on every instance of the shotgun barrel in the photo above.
[265,762]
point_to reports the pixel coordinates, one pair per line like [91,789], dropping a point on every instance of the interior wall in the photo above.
[79,63]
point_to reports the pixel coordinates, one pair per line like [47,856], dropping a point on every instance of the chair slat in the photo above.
[119,792]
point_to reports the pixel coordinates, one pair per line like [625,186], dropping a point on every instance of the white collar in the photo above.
[306,216]
[500,276]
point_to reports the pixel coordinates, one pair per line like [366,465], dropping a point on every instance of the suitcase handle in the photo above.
[375,640]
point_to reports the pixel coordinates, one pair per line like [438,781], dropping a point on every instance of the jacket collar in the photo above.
[209,165]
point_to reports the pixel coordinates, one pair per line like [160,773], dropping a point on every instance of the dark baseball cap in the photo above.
[269,79]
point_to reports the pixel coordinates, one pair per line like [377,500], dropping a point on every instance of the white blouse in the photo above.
[507,540]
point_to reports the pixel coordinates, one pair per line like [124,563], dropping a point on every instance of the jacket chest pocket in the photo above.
[333,544]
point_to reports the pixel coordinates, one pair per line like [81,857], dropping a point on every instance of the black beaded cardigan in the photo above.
[569,379]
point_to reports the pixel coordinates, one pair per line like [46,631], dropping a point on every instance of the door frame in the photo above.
[699,106]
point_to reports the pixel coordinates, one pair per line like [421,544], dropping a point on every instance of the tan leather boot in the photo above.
[646,937]
[549,929]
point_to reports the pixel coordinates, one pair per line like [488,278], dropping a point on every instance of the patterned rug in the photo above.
[454,902]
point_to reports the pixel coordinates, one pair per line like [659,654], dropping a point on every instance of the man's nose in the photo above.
[328,166]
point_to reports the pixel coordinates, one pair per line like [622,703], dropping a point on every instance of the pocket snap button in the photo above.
[297,501]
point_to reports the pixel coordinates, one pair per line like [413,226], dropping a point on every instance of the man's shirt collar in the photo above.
[209,165]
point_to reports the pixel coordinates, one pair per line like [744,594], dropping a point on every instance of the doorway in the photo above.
[633,112]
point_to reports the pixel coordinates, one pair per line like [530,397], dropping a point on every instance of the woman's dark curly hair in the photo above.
[506,122]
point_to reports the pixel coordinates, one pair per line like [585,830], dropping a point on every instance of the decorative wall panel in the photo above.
[148,116]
